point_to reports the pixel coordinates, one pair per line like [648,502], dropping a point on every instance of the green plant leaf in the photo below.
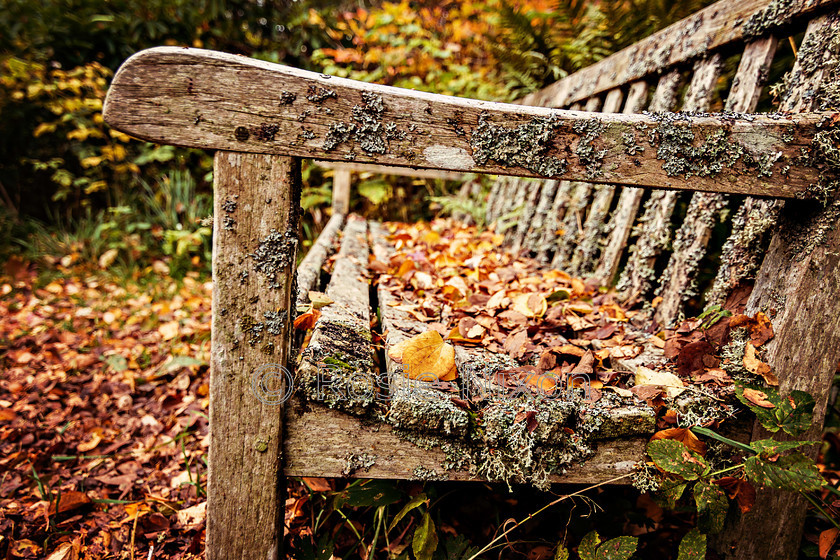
[425,539]
[693,546]
[375,191]
[416,501]
[671,491]
[589,545]
[370,493]
[793,414]
[794,472]
[769,447]
[619,548]
[674,457]
[562,553]
[711,506]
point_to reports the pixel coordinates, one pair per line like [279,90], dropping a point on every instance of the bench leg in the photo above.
[255,239]
[798,287]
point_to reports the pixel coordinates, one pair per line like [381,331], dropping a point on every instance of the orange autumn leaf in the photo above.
[756,366]
[306,321]
[758,398]
[827,540]
[683,435]
[426,355]
[530,305]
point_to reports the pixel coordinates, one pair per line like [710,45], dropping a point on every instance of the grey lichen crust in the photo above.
[273,257]
[525,146]
[337,371]
[368,129]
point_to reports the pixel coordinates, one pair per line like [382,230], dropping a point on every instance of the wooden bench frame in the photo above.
[260,118]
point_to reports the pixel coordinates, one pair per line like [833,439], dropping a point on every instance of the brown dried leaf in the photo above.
[683,435]
[756,366]
[758,398]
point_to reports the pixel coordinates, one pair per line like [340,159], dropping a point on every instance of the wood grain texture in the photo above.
[624,216]
[706,31]
[639,277]
[337,368]
[204,99]
[743,251]
[321,442]
[254,252]
[342,181]
[798,286]
[309,270]
[704,211]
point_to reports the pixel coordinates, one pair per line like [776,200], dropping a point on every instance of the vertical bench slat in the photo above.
[655,230]
[742,253]
[553,220]
[594,230]
[624,216]
[798,286]
[257,200]
[342,179]
[576,211]
[704,211]
[533,235]
[531,195]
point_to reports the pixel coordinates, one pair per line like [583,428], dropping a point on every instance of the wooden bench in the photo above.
[579,157]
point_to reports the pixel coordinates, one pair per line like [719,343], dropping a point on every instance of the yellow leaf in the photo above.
[426,355]
[43,128]
[673,384]
[169,330]
[530,305]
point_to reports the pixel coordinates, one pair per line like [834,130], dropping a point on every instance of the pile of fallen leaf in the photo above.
[463,284]
[103,417]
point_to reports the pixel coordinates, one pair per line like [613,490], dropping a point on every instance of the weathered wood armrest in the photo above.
[205,99]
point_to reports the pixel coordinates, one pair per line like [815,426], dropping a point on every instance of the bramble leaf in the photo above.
[674,457]
[769,447]
[693,546]
[589,545]
[792,414]
[619,548]
[711,506]
[794,472]
[425,539]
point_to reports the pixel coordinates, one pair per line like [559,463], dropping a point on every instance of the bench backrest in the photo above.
[585,228]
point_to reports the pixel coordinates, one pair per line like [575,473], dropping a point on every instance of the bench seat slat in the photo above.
[309,269]
[337,367]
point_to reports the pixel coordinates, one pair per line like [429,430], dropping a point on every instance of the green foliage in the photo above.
[692,546]
[619,548]
[792,414]
[453,205]
[425,540]
[674,457]
[711,504]
[794,472]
